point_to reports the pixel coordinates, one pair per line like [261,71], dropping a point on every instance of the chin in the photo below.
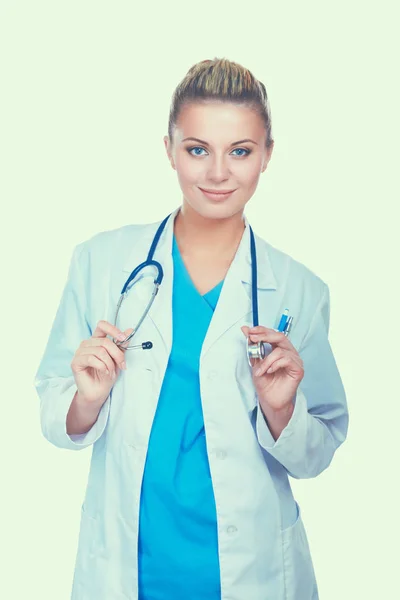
[216,211]
[221,210]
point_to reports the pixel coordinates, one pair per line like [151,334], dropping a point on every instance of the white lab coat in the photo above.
[261,556]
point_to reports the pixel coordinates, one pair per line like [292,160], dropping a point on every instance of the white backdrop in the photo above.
[86,93]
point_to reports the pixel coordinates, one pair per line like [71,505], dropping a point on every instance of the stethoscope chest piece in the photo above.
[255,351]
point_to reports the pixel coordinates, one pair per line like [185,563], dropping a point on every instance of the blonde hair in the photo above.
[225,81]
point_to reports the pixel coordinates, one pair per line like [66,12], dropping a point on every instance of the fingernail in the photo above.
[121,337]
[123,365]
[258,372]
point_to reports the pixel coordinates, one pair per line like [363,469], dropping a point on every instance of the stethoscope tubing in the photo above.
[254,350]
[157,282]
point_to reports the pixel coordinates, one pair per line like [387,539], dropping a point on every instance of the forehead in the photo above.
[218,120]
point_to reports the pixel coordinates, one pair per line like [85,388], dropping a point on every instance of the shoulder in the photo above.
[112,242]
[292,274]
[299,288]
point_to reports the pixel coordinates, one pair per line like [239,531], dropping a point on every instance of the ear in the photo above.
[267,156]
[168,149]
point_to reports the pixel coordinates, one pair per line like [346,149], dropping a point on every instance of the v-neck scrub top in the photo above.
[178,543]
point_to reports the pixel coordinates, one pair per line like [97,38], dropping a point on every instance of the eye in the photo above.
[247,152]
[242,149]
[195,148]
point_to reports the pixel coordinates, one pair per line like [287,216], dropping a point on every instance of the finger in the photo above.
[261,367]
[271,336]
[245,330]
[105,328]
[83,361]
[126,334]
[277,354]
[112,349]
[286,363]
[101,354]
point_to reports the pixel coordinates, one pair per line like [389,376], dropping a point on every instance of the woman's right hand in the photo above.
[97,363]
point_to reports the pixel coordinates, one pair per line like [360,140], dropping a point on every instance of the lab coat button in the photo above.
[221,454]
[231,529]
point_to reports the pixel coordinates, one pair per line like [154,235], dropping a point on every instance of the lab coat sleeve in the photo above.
[319,422]
[54,380]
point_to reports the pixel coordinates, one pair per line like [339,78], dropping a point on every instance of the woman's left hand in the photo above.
[277,388]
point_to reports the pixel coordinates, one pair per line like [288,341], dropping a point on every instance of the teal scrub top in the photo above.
[178,542]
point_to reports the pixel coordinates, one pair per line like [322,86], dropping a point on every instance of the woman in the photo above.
[188,493]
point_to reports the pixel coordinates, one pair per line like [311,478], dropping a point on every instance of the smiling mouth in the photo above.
[221,192]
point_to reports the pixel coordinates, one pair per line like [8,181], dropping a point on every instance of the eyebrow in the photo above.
[206,144]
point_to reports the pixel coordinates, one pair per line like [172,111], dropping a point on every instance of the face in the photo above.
[218,161]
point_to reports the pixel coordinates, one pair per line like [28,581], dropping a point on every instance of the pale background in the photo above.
[86,88]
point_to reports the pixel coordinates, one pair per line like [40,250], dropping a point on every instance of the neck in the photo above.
[199,236]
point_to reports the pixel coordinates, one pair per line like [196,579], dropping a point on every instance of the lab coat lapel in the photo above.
[235,302]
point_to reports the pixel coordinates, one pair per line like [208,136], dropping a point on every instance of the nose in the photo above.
[218,169]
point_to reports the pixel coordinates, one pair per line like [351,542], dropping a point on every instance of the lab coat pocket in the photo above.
[300,582]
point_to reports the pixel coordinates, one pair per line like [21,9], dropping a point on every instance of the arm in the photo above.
[276,419]
[319,422]
[82,415]
[54,381]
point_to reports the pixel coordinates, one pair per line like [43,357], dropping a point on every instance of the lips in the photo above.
[217,191]
[218,196]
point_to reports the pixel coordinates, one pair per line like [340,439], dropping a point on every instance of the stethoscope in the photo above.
[254,350]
